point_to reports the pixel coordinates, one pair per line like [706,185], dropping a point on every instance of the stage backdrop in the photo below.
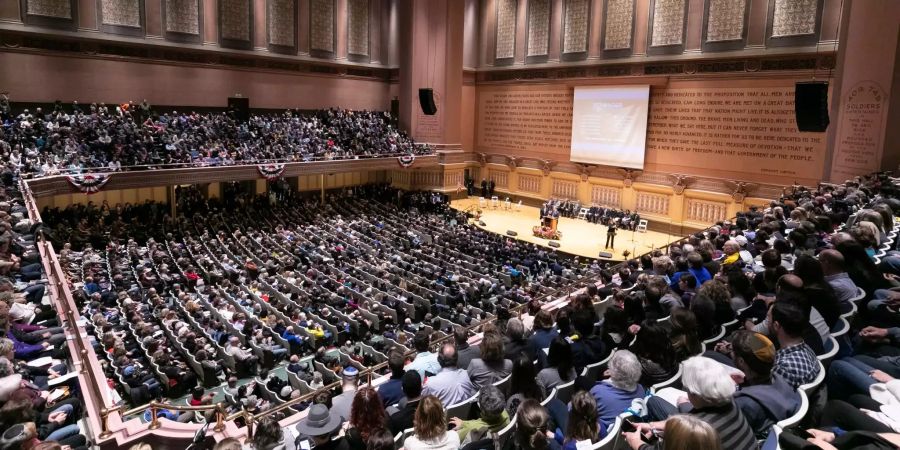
[729,129]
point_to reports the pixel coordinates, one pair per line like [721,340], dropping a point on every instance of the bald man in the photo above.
[836,275]
[790,289]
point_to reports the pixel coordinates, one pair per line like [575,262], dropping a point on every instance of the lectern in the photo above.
[550,222]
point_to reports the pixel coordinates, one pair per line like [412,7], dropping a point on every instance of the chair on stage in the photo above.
[482,203]
[495,202]
[642,226]
[507,205]
[519,206]
[582,213]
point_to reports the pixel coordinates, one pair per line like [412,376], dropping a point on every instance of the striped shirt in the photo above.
[730,425]
[733,429]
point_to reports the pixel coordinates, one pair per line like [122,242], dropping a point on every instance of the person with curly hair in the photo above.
[367,418]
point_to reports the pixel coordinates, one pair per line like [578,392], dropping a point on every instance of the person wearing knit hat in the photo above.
[764,398]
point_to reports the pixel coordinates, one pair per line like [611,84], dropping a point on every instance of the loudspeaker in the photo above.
[395,109]
[606,255]
[481,223]
[511,233]
[811,105]
[426,100]
[240,107]
[553,244]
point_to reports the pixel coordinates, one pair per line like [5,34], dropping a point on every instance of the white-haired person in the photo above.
[709,391]
[615,394]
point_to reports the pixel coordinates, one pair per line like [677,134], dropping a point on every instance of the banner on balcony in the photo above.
[88,183]
[271,172]
[406,160]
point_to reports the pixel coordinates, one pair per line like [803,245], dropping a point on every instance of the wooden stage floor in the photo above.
[579,237]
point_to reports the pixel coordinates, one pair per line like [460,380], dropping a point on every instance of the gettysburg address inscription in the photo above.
[715,131]
[751,130]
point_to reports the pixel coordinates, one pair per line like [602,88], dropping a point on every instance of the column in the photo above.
[431,56]
[173,200]
[861,94]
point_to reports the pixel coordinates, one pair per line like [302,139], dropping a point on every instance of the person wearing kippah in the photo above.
[763,397]
[341,403]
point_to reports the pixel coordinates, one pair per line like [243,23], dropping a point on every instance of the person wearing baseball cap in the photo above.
[320,425]
[763,397]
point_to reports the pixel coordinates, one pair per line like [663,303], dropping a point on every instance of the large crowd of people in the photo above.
[40,401]
[604,215]
[71,139]
[778,326]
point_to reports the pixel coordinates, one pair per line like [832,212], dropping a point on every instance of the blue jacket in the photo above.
[612,401]
[391,391]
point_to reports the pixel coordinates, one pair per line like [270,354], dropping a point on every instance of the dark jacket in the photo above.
[765,404]
[403,419]
[540,340]
[513,349]
[587,351]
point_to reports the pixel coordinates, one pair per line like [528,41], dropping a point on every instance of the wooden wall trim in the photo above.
[42,187]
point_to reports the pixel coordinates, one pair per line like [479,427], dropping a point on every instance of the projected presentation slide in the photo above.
[609,125]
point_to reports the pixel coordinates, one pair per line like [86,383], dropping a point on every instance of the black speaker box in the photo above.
[481,223]
[240,106]
[811,105]
[606,255]
[426,100]
[553,244]
[395,109]
[511,233]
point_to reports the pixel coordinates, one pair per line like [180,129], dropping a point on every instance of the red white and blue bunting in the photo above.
[406,160]
[271,172]
[88,183]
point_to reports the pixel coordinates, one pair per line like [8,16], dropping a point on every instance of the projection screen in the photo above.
[609,125]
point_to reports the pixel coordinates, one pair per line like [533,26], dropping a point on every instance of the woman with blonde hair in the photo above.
[430,428]
[682,432]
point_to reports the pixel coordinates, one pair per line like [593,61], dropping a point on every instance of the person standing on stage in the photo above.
[611,236]
[484,188]
[491,186]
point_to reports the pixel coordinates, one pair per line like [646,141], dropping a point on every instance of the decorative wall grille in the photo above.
[606,196]
[705,211]
[652,203]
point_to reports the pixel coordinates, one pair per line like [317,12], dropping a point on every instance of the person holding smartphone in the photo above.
[682,432]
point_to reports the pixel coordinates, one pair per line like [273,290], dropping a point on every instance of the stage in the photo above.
[579,237]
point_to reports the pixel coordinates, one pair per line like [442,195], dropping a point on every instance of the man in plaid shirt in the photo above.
[794,361]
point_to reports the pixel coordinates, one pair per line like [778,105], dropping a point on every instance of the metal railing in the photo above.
[201,164]
[66,309]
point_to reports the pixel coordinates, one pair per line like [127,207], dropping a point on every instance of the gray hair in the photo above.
[515,329]
[624,370]
[491,402]
[6,367]
[707,379]
[6,346]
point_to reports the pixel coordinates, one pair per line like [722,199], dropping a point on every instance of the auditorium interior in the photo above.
[449,224]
